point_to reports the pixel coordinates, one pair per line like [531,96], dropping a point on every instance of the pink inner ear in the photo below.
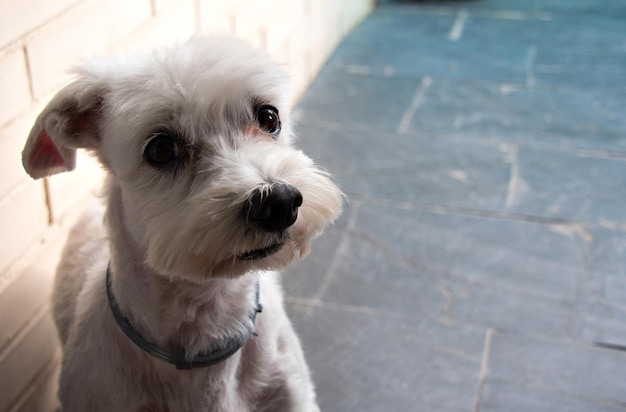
[45,154]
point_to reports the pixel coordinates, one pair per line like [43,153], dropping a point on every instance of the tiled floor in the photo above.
[480,264]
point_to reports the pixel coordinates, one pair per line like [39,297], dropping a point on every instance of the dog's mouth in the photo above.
[261,253]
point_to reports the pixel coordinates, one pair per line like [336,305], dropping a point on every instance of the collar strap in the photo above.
[179,357]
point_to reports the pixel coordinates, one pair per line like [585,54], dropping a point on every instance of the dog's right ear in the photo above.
[68,122]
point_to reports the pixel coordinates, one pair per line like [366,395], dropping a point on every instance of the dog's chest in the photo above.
[168,390]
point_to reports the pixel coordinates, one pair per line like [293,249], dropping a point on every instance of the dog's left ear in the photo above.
[68,122]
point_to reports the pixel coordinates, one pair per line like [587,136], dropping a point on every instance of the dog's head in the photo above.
[198,141]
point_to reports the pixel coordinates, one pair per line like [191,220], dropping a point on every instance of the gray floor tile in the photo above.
[575,370]
[530,8]
[602,307]
[479,110]
[401,22]
[608,263]
[486,174]
[355,100]
[373,275]
[512,310]
[581,69]
[582,7]
[499,397]
[418,45]
[373,363]
[304,277]
[587,33]
[509,254]
[605,328]
[424,170]
[569,186]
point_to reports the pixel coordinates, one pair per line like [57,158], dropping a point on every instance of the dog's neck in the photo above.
[168,311]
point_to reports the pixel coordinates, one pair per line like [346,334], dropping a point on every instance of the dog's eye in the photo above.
[269,120]
[162,149]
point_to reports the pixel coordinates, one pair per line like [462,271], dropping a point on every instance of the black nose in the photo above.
[276,210]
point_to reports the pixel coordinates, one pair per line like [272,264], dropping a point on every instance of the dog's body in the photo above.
[204,195]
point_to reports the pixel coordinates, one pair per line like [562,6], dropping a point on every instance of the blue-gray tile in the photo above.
[430,6]
[369,363]
[601,311]
[303,278]
[510,254]
[511,310]
[409,23]
[586,69]
[569,53]
[408,168]
[355,100]
[608,328]
[587,33]
[608,262]
[583,7]
[424,49]
[602,307]
[498,208]
[482,110]
[574,370]
[569,186]
[371,274]
[498,397]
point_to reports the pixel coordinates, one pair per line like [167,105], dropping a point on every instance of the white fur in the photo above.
[173,236]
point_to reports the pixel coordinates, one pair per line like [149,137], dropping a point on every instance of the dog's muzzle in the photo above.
[274,210]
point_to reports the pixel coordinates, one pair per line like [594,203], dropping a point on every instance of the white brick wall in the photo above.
[14,84]
[86,29]
[39,41]
[20,17]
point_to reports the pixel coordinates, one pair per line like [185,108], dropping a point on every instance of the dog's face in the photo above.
[198,140]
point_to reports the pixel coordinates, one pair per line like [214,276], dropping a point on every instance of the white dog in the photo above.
[157,309]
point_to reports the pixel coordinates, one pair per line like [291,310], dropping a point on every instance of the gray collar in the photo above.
[179,357]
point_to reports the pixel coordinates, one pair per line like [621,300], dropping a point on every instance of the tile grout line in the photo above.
[484,368]
[340,251]
[456,32]
[416,102]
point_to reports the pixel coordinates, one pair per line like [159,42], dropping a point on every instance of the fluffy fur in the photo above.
[175,235]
